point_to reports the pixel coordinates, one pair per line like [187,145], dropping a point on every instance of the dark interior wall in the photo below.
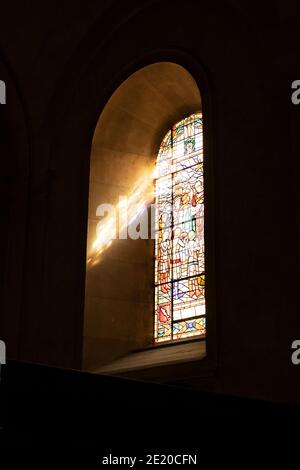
[68,58]
[14,199]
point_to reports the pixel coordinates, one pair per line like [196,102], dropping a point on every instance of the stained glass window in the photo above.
[179,233]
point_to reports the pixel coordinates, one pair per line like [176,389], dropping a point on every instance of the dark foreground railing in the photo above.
[42,405]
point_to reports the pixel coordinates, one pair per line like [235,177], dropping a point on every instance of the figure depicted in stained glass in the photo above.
[179,242]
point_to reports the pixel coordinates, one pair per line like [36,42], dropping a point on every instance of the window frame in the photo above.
[205,366]
[156,246]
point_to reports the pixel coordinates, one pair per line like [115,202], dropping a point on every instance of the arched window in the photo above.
[124,285]
[179,233]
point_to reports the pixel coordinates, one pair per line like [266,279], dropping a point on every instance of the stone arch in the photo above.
[100,64]
[119,289]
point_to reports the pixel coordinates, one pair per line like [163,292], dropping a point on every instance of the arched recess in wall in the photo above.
[96,68]
[14,151]
[119,281]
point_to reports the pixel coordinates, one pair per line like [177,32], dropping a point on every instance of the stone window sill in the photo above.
[152,362]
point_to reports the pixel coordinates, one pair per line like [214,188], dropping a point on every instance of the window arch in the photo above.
[120,293]
[179,233]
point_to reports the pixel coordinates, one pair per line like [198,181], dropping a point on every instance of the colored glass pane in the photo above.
[179,240]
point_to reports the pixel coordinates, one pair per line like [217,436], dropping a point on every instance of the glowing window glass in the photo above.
[179,230]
